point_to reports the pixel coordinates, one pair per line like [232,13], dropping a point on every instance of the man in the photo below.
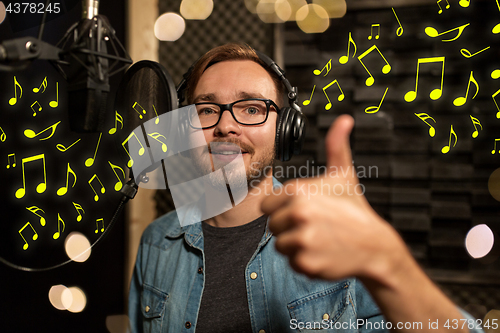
[224,274]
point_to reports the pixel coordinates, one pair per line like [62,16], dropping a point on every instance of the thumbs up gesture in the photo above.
[326,226]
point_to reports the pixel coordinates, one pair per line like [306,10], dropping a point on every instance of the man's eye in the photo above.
[207,111]
[253,110]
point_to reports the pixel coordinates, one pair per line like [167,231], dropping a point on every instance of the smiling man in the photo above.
[341,268]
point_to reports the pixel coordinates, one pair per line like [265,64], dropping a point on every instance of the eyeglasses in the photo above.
[250,111]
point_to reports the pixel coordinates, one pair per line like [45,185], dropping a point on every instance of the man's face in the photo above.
[226,82]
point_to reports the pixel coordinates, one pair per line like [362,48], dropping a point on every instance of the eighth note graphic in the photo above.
[386,69]
[377,35]
[432,32]
[344,59]
[423,117]
[400,30]
[459,101]
[495,147]
[375,108]
[436,93]
[35,235]
[103,190]
[8,160]
[34,210]
[340,98]
[439,5]
[447,148]
[475,122]
[328,67]
[59,231]
[63,190]
[90,161]
[78,208]
[30,134]
[97,225]
[13,100]
[40,187]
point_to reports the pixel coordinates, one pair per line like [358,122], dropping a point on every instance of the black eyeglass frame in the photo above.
[229,107]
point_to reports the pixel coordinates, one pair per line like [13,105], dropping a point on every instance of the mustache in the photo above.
[243,146]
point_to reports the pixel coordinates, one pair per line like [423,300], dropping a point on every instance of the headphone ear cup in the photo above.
[283,134]
[299,132]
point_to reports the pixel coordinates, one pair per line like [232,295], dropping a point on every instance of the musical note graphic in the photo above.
[386,69]
[40,187]
[139,111]
[439,5]
[118,119]
[44,85]
[35,235]
[90,161]
[344,59]
[119,184]
[495,74]
[466,53]
[13,100]
[59,231]
[375,108]
[493,96]
[495,146]
[34,210]
[432,32]
[30,134]
[307,101]
[54,104]
[436,93]
[446,149]
[8,160]
[377,36]
[62,148]
[459,101]
[399,31]
[39,108]
[63,190]
[496,28]
[157,119]
[423,117]
[103,190]
[141,150]
[97,225]
[3,136]
[78,208]
[156,135]
[475,122]
[328,67]
[464,3]
[340,98]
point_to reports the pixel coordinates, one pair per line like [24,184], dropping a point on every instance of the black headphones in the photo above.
[291,123]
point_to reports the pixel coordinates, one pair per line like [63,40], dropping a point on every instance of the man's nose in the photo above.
[227,125]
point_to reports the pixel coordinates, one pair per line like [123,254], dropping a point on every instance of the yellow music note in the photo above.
[157,119]
[8,160]
[466,53]
[432,32]
[441,9]
[103,190]
[498,108]
[307,101]
[29,133]
[63,190]
[495,74]
[78,207]
[328,67]
[3,136]
[400,30]
[436,93]
[59,231]
[375,108]
[62,148]
[423,117]
[97,225]
[496,28]
[35,235]
[44,85]
[459,101]
[446,149]
[386,69]
[141,150]
[119,184]
[34,210]
[371,31]
[156,136]
[340,98]
[40,187]
[13,100]
[54,104]
[495,146]
[118,119]
[39,108]
[139,112]
[475,122]
[90,161]
[344,59]
[464,3]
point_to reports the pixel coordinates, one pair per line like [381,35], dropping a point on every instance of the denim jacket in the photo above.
[167,287]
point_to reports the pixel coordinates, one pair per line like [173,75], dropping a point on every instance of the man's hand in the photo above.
[329,230]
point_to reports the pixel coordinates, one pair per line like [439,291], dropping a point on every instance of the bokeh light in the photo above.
[479,241]
[283,10]
[77,247]
[196,9]
[312,18]
[295,5]
[169,27]
[494,184]
[74,299]
[266,9]
[3,12]
[334,8]
[55,297]
[252,5]
[117,323]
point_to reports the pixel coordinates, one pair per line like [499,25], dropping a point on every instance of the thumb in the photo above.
[338,150]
